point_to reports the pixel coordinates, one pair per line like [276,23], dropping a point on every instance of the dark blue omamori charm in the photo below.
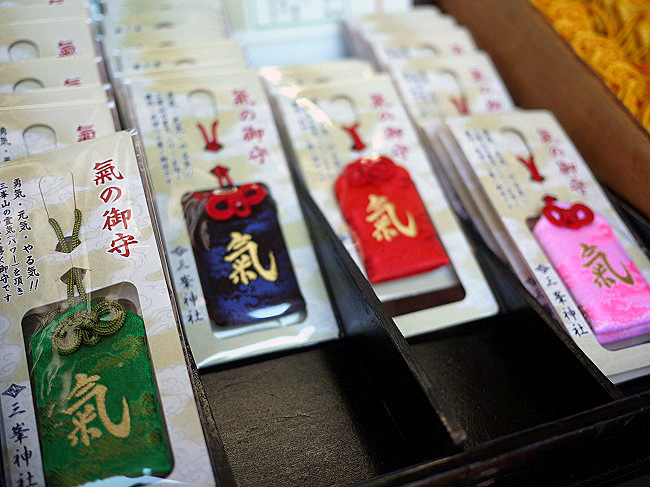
[241,256]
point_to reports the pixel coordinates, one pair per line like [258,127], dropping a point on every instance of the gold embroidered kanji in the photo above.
[383,215]
[245,260]
[600,266]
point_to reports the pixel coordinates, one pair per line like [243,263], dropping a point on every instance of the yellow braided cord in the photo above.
[613,37]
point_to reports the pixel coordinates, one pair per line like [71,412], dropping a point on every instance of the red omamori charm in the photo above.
[390,224]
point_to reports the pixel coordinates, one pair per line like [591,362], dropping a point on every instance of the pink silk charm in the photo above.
[609,289]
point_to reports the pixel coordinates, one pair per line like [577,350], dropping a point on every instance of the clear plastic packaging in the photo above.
[39,73]
[361,159]
[29,130]
[293,76]
[20,41]
[35,13]
[49,96]
[95,387]
[52,6]
[362,30]
[246,276]
[219,53]
[437,87]
[388,48]
[547,216]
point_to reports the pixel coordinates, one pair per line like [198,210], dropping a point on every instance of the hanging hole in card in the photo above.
[459,100]
[203,104]
[205,110]
[185,61]
[430,47]
[344,109]
[164,25]
[515,141]
[39,138]
[27,84]
[22,50]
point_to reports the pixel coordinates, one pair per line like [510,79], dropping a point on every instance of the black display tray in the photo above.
[508,400]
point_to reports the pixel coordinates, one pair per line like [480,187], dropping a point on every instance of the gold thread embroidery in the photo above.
[382,213]
[244,255]
[601,266]
[86,388]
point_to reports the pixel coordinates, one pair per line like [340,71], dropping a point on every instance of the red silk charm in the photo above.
[388,220]
[211,143]
[236,202]
[576,216]
[461,104]
[357,143]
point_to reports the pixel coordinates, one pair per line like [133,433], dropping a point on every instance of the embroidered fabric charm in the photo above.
[388,220]
[244,266]
[609,289]
[98,409]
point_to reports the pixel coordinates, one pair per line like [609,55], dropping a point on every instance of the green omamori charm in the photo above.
[98,408]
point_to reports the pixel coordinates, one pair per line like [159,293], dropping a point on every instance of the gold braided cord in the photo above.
[85,325]
[613,37]
[74,274]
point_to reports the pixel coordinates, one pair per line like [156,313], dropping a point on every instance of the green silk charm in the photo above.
[97,405]
[98,409]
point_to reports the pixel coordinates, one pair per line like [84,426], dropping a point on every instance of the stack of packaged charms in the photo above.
[518,178]
[434,62]
[355,148]
[143,37]
[420,31]
[539,207]
[246,276]
[94,384]
[291,32]
[52,85]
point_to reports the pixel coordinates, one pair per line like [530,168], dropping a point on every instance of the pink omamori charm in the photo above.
[603,280]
